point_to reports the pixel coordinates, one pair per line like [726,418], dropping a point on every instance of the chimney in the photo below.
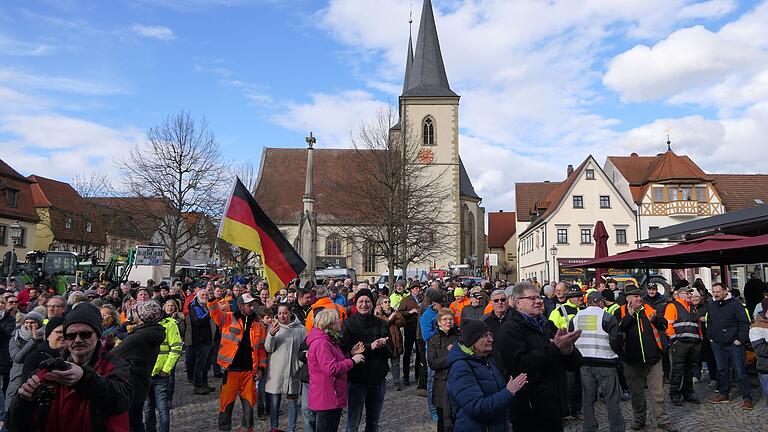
[570,170]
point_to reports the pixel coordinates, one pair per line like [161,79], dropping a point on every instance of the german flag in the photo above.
[246,225]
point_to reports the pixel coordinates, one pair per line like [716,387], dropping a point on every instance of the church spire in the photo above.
[427,76]
[408,61]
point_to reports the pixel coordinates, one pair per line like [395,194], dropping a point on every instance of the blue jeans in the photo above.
[326,421]
[274,411]
[262,404]
[729,356]
[430,383]
[370,397]
[307,414]
[764,384]
[158,397]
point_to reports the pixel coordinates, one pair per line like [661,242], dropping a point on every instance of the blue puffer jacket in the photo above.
[477,392]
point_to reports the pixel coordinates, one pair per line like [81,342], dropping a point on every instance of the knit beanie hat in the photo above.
[34,316]
[149,311]
[364,293]
[472,330]
[84,313]
[52,324]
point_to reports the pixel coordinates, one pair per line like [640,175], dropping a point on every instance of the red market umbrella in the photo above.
[601,248]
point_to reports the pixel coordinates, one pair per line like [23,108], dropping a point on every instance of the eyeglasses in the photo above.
[499,300]
[84,335]
[533,298]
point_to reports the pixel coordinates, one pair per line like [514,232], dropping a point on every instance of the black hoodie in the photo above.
[367,328]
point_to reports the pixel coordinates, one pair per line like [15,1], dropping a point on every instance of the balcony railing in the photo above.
[682,208]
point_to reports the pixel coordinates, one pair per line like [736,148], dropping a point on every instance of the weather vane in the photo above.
[310,140]
[669,141]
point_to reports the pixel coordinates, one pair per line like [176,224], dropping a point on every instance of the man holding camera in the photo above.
[90,391]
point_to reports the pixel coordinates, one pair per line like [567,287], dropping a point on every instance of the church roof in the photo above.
[281,183]
[427,77]
[282,176]
[465,184]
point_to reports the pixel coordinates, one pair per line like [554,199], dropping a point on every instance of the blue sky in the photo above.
[543,84]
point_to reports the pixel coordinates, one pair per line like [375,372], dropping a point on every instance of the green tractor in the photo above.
[52,268]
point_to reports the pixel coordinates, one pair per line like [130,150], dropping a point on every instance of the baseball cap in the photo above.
[246,298]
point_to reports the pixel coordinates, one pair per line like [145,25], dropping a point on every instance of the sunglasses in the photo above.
[84,335]
[501,300]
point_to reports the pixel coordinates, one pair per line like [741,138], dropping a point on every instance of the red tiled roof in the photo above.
[282,179]
[501,226]
[639,170]
[530,195]
[63,202]
[25,206]
[739,191]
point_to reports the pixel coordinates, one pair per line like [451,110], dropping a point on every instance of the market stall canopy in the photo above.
[718,249]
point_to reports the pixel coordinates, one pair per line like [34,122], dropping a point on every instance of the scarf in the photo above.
[335,337]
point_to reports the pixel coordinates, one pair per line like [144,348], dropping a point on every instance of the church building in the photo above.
[298,188]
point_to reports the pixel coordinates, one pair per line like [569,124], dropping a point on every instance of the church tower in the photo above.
[429,113]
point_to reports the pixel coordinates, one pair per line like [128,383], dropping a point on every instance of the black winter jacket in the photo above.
[437,359]
[495,323]
[526,347]
[472,313]
[727,321]
[637,329]
[367,328]
[140,350]
[7,326]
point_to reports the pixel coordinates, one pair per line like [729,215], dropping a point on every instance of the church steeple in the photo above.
[408,65]
[427,76]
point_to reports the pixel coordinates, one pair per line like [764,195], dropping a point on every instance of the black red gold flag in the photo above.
[246,225]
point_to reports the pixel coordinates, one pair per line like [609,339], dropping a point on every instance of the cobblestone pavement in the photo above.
[198,413]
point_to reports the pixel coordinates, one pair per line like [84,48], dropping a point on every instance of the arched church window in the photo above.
[333,245]
[428,133]
[369,258]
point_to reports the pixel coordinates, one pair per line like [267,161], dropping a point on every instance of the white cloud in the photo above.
[14,47]
[333,118]
[688,59]
[26,80]
[154,32]
[62,147]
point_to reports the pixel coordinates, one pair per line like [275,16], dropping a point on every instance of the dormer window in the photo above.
[428,133]
[68,222]
[11,198]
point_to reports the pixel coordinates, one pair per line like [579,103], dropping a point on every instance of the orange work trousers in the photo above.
[234,384]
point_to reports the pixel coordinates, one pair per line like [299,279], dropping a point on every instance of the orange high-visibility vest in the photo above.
[325,303]
[648,312]
[457,307]
[232,335]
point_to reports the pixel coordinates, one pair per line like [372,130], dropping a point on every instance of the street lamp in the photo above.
[15,233]
[553,252]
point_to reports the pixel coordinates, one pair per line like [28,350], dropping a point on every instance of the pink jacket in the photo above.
[327,372]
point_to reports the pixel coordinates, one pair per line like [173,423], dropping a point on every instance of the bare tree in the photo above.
[180,164]
[399,200]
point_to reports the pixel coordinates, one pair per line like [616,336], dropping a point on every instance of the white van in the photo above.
[415,274]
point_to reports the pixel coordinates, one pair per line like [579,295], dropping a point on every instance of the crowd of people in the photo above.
[496,357]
